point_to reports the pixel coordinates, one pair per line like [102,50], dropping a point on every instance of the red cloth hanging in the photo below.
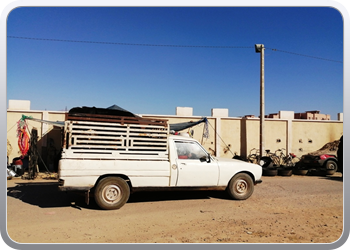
[23,141]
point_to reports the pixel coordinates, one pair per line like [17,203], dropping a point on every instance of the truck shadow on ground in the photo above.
[161,196]
[47,195]
[176,195]
[42,194]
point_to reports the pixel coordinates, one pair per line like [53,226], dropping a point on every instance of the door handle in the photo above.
[183,163]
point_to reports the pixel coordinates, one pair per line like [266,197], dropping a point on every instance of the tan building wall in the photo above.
[275,134]
[231,136]
[312,135]
[227,135]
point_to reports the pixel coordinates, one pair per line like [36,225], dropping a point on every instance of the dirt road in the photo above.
[296,209]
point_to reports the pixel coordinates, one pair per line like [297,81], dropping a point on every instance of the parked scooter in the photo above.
[17,167]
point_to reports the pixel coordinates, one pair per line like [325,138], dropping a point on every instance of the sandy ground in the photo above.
[296,209]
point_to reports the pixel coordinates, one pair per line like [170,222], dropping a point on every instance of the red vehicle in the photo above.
[323,162]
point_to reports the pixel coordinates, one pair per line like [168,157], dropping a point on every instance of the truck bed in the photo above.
[112,137]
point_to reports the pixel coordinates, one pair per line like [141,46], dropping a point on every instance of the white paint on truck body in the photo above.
[115,159]
[174,172]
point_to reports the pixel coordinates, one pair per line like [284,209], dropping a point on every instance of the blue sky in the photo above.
[303,58]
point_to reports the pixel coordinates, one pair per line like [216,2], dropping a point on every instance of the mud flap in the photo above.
[87,197]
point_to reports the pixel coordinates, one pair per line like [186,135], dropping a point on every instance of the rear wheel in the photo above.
[240,187]
[112,193]
[331,167]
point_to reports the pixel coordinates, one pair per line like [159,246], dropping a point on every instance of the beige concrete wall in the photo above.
[231,136]
[226,135]
[252,136]
[309,136]
[184,111]
[275,135]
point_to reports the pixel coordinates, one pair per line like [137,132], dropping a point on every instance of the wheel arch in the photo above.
[331,159]
[241,172]
[124,177]
[328,160]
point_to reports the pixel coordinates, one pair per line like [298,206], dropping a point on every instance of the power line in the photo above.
[297,54]
[168,45]
[134,44]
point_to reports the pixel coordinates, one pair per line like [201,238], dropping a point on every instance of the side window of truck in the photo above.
[189,150]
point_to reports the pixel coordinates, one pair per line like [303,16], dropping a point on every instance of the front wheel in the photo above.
[240,187]
[112,193]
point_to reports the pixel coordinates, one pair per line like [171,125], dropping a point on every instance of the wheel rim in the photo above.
[112,194]
[241,186]
[262,163]
[331,166]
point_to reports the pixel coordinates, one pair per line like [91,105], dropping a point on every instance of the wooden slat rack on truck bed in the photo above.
[96,136]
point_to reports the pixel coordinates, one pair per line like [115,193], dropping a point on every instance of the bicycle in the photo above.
[270,159]
[253,157]
[288,163]
[289,160]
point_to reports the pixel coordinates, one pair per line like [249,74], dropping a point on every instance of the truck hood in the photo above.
[226,162]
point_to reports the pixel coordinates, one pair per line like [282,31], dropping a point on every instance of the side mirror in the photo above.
[205,158]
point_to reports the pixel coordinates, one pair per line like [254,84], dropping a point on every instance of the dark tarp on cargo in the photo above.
[112,110]
[118,111]
[181,126]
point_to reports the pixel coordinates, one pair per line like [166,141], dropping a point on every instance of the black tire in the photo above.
[285,172]
[269,172]
[111,193]
[300,171]
[331,167]
[240,187]
[265,161]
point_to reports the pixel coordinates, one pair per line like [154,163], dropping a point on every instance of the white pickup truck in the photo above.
[110,160]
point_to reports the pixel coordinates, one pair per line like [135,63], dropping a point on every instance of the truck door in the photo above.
[194,166]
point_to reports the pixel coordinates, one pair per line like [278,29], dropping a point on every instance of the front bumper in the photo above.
[257,182]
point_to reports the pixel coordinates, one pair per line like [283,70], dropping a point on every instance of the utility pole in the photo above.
[259,48]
